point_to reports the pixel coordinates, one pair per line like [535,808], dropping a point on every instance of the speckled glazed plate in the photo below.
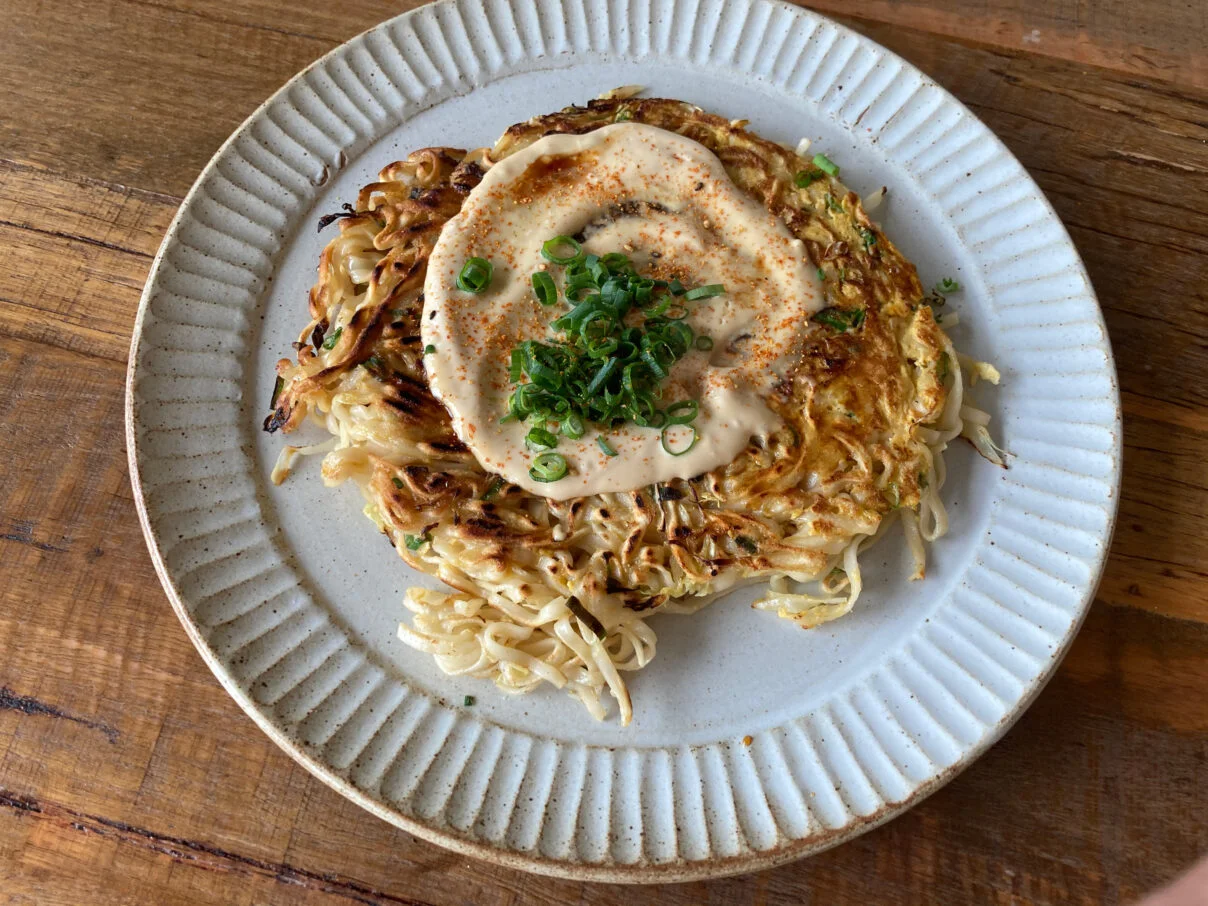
[292,596]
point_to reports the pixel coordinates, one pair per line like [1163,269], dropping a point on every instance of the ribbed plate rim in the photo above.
[713,866]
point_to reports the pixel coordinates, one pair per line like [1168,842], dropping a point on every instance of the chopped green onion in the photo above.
[675,445]
[705,292]
[544,289]
[429,349]
[821,274]
[373,363]
[867,236]
[826,165]
[602,368]
[572,426]
[655,366]
[415,542]
[605,446]
[277,388]
[623,115]
[834,204]
[946,286]
[615,262]
[943,368]
[330,342]
[468,701]
[602,375]
[398,482]
[805,177]
[540,439]
[682,413]
[554,250]
[492,488]
[548,467]
[841,319]
[475,275]
[746,544]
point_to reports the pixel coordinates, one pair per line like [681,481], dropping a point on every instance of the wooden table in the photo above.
[128,776]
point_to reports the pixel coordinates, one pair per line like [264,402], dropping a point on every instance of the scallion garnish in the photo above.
[943,368]
[704,292]
[544,289]
[841,319]
[415,542]
[826,165]
[475,275]
[678,439]
[397,482]
[605,446]
[330,342]
[468,701]
[805,177]
[603,369]
[562,250]
[572,426]
[946,286]
[429,349]
[540,439]
[681,413]
[548,467]
[277,388]
[867,236]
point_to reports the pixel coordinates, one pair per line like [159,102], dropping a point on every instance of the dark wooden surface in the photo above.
[128,776]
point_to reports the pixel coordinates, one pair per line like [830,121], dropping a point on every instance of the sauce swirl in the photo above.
[666,202]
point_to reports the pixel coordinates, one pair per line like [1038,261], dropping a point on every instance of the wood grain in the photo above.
[1159,39]
[128,776]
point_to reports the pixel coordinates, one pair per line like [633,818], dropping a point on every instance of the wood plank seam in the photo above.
[235,23]
[73,237]
[198,854]
[80,178]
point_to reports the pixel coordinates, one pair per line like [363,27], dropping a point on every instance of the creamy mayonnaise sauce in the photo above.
[667,203]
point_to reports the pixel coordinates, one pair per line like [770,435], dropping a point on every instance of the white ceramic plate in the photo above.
[292,596]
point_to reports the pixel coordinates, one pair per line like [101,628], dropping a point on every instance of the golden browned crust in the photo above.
[848,453]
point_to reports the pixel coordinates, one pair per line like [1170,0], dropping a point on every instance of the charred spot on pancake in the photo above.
[466,176]
[448,446]
[484,525]
[276,419]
